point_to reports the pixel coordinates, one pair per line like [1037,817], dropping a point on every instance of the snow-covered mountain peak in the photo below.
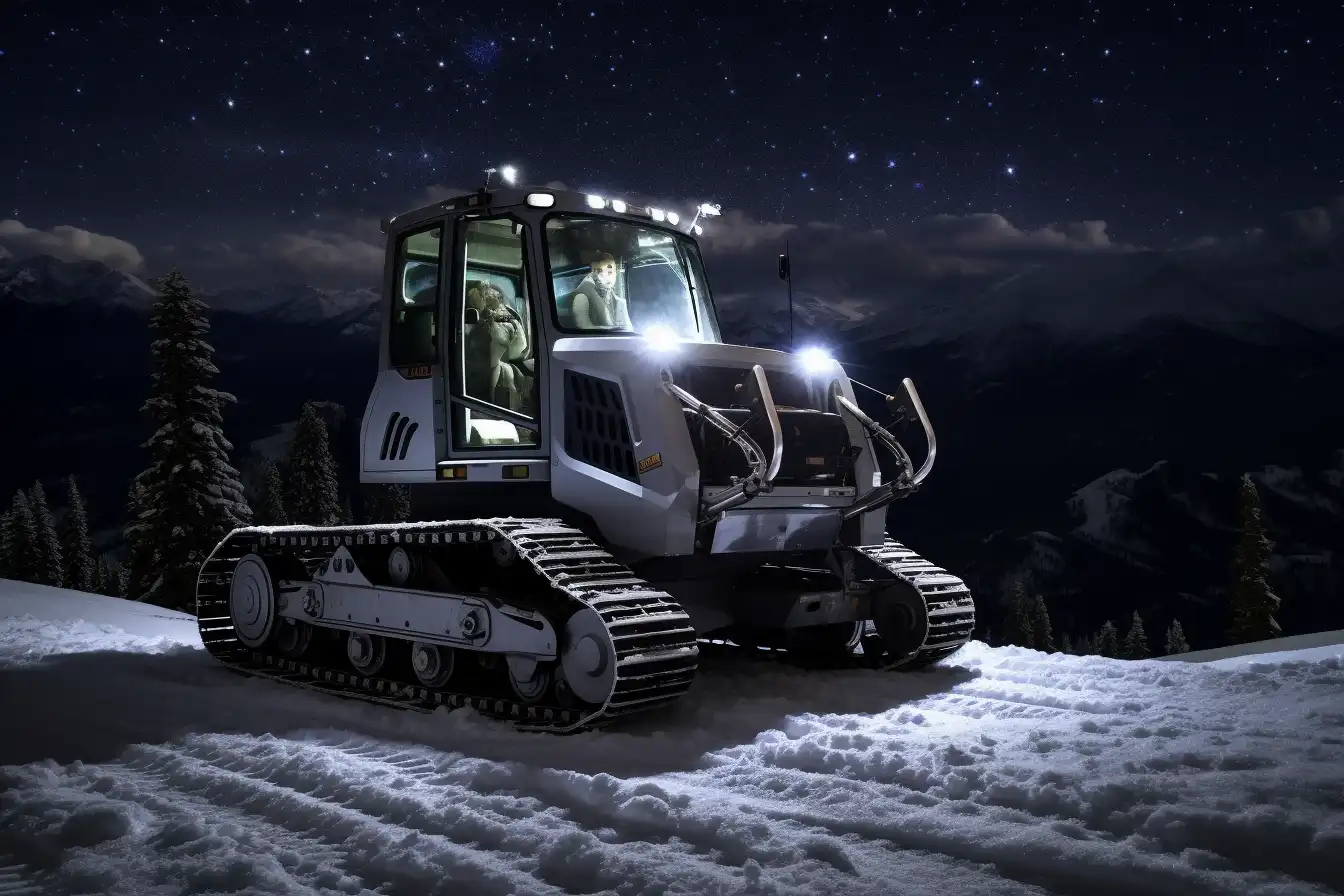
[46,280]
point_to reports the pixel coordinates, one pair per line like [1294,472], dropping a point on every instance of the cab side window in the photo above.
[414,331]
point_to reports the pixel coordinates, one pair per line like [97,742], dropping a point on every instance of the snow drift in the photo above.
[137,765]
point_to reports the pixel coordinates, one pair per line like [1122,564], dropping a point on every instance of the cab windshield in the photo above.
[616,277]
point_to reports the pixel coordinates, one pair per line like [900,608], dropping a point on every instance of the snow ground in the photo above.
[135,765]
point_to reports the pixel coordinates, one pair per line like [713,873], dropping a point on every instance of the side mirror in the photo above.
[471,317]
[783,267]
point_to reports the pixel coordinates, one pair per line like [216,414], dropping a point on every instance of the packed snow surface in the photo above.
[136,765]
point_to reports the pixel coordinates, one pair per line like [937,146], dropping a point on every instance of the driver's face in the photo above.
[605,273]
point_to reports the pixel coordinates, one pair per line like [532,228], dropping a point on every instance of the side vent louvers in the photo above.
[397,437]
[596,430]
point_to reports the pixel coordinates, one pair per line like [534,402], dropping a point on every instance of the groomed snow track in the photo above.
[656,646]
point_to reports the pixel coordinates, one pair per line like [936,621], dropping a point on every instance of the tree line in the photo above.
[33,548]
[1254,604]
[189,496]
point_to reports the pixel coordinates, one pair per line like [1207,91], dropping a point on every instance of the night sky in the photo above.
[229,136]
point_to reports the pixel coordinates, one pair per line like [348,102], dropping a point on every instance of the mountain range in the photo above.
[1093,416]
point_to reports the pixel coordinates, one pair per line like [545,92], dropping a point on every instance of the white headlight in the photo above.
[540,200]
[661,338]
[618,206]
[709,210]
[673,218]
[814,359]
[596,202]
[657,214]
[699,230]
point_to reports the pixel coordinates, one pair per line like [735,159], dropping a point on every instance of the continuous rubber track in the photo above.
[657,648]
[656,651]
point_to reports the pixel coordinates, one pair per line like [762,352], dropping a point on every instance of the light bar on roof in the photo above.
[618,206]
[540,200]
[596,201]
[656,214]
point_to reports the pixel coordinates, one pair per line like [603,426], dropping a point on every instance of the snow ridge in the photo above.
[1001,771]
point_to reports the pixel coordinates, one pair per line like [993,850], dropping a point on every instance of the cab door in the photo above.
[495,360]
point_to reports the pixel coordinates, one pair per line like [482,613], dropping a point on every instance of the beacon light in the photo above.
[510,174]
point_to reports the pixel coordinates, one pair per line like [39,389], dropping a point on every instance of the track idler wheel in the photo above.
[433,664]
[901,619]
[587,658]
[252,601]
[366,652]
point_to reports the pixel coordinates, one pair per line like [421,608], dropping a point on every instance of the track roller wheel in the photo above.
[433,664]
[402,566]
[528,678]
[252,601]
[366,652]
[901,620]
[292,637]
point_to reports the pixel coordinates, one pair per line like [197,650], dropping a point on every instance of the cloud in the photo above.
[70,244]
[321,253]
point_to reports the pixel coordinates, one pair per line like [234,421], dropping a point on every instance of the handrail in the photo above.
[762,477]
[908,479]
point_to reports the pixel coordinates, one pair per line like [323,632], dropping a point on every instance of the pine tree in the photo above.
[1042,634]
[50,564]
[107,576]
[142,561]
[314,498]
[25,562]
[192,497]
[1253,603]
[75,543]
[388,503]
[1065,643]
[1018,629]
[271,503]
[1108,642]
[1136,640]
[1176,642]
[8,545]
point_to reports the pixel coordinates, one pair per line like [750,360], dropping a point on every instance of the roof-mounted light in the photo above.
[709,210]
[619,206]
[510,174]
[699,231]
[596,201]
[540,200]
[657,214]
[673,218]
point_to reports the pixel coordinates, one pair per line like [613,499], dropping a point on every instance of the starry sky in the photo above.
[229,133]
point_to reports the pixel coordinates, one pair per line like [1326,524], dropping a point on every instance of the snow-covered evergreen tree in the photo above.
[25,565]
[8,545]
[1176,642]
[387,503]
[1253,602]
[50,563]
[142,563]
[1042,634]
[271,502]
[1108,641]
[1136,640]
[314,498]
[75,543]
[1018,629]
[192,496]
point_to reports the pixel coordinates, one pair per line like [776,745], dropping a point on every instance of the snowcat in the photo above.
[599,485]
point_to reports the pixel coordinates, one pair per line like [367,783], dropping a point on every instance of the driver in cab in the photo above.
[596,304]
